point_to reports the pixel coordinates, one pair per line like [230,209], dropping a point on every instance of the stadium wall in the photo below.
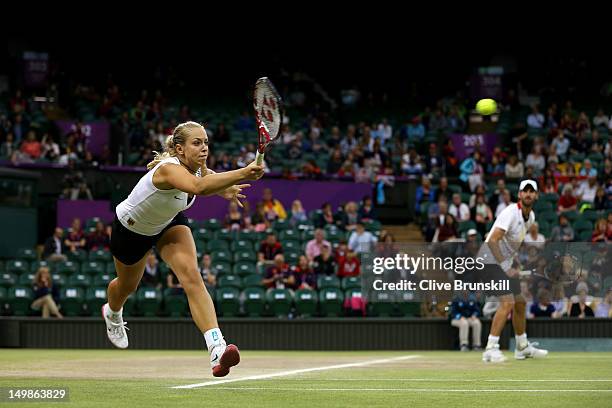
[274,334]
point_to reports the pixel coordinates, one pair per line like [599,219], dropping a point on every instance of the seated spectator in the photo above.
[536,160]
[587,169]
[314,247]
[543,307]
[305,277]
[99,238]
[604,308]
[326,217]
[496,168]
[600,231]
[527,297]
[562,232]
[534,237]
[45,294]
[324,263]
[54,247]
[580,309]
[298,214]
[458,209]
[600,119]
[482,214]
[278,275]
[274,209]
[367,211]
[505,202]
[514,168]
[415,131]
[233,218]
[411,164]
[269,248]
[151,277]
[535,120]
[465,313]
[258,220]
[601,200]
[567,201]
[209,274]
[350,216]
[31,148]
[424,194]
[436,216]
[447,230]
[361,241]
[349,265]
[559,300]
[443,190]
[174,284]
[472,173]
[587,189]
[76,237]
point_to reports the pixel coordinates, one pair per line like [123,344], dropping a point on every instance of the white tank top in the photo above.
[148,210]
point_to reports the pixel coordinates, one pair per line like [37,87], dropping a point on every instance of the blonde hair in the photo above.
[178,136]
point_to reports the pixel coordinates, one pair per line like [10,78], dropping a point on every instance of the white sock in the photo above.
[521,341]
[213,338]
[492,341]
[111,314]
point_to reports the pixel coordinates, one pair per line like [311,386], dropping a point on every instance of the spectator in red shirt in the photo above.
[269,249]
[305,278]
[76,238]
[567,201]
[349,266]
[31,146]
[278,275]
[99,239]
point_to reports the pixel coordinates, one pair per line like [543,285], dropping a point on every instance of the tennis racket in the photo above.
[268,107]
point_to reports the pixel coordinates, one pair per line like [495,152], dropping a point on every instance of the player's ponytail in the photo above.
[179,136]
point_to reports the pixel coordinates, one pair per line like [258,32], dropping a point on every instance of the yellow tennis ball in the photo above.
[486,106]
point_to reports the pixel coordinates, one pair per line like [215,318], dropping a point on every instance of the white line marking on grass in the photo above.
[395,389]
[301,371]
[448,380]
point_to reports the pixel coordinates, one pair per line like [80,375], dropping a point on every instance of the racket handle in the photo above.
[259,158]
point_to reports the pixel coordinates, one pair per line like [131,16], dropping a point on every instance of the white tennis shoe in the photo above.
[115,330]
[493,355]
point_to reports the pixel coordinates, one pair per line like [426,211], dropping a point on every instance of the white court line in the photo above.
[293,372]
[445,380]
[395,389]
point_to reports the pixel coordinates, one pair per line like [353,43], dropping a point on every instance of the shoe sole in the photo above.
[230,358]
[111,342]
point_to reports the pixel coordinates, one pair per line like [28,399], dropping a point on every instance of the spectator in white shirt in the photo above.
[600,119]
[459,210]
[561,143]
[587,189]
[361,241]
[504,203]
[535,119]
[536,160]
[534,237]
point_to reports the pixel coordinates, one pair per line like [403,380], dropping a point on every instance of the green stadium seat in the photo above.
[7,279]
[68,267]
[202,234]
[307,235]
[37,264]
[244,268]
[229,281]
[77,256]
[373,225]
[552,198]
[228,300]
[91,222]
[281,225]
[325,281]
[224,234]
[100,256]
[407,305]
[571,215]
[79,280]
[584,235]
[102,280]
[292,256]
[148,301]
[241,245]
[212,224]
[193,224]
[351,282]
[93,268]
[252,280]
[19,299]
[95,298]
[218,245]
[582,224]
[306,302]
[246,236]
[26,279]
[293,245]
[549,216]
[331,301]
[542,205]
[200,245]
[254,303]
[222,268]
[381,304]
[58,279]
[3,298]
[334,235]
[455,188]
[72,300]
[221,255]
[289,234]
[279,301]
[593,216]
[464,226]
[175,304]
[17,266]
[245,256]
[26,254]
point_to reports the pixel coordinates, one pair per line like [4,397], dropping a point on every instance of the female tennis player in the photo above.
[152,215]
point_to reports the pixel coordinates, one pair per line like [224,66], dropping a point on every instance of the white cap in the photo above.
[526,183]
[472,231]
